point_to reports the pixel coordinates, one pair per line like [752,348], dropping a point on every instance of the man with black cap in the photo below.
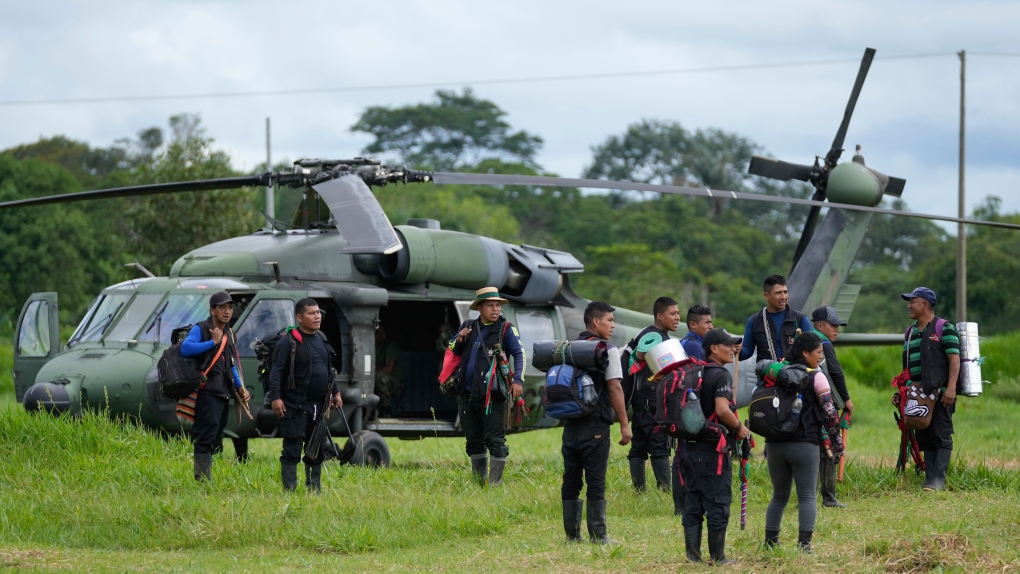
[931,352]
[707,471]
[480,396]
[211,344]
[827,323]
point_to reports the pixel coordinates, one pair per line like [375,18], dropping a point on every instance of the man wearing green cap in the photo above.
[480,396]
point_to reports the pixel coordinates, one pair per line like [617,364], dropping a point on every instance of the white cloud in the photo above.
[906,117]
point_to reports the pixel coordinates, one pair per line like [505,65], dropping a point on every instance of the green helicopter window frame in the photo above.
[34,336]
[265,319]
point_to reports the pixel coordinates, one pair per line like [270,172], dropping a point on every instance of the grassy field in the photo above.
[98,495]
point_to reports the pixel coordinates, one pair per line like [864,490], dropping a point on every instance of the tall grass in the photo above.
[104,495]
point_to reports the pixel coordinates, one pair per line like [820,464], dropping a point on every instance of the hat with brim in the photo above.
[718,336]
[486,294]
[922,292]
[221,298]
[828,315]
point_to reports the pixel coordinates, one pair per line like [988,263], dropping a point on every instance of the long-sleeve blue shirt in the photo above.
[194,346]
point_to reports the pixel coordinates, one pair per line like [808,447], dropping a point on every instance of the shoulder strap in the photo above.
[940,323]
[768,333]
[216,357]
[906,334]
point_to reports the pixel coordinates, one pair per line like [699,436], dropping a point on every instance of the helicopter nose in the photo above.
[49,396]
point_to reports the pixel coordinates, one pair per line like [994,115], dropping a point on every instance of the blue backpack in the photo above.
[569,392]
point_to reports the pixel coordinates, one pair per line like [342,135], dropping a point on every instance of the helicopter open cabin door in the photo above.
[36,339]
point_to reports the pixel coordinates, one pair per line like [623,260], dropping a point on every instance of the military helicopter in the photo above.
[364,272]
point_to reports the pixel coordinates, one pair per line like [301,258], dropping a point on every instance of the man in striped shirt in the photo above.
[931,350]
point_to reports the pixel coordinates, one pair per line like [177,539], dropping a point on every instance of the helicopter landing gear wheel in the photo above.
[240,448]
[369,449]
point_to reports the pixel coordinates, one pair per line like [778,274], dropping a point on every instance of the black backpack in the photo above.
[772,410]
[178,376]
[264,353]
[678,402]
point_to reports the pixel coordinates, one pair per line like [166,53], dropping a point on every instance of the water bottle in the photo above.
[798,405]
[691,396]
[588,394]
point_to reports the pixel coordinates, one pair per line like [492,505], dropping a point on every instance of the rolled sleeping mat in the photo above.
[970,360]
[587,355]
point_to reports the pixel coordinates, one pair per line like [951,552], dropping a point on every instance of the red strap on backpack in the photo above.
[216,357]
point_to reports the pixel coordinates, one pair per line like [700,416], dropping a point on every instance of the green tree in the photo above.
[457,131]
[162,228]
[52,247]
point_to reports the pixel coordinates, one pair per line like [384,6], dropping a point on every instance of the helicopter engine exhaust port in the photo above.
[526,274]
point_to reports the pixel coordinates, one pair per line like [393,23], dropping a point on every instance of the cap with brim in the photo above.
[827,314]
[486,294]
[718,336]
[221,298]
[922,292]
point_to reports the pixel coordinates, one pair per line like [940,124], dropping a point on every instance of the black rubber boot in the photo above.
[496,466]
[660,468]
[288,475]
[771,538]
[637,473]
[203,466]
[480,466]
[827,482]
[804,541]
[692,542]
[939,466]
[313,478]
[717,547]
[597,523]
[929,465]
[572,512]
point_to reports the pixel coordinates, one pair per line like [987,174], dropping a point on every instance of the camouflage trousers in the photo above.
[387,386]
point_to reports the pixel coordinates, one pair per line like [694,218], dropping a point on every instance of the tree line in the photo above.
[634,246]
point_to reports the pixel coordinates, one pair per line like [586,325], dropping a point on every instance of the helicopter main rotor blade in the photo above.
[545,181]
[778,169]
[152,189]
[359,217]
[837,143]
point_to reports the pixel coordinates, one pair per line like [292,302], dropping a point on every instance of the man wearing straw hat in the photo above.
[481,397]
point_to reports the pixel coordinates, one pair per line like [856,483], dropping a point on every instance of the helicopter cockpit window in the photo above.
[134,317]
[266,319]
[96,323]
[534,325]
[34,339]
[178,310]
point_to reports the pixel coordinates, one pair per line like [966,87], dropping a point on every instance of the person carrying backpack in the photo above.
[211,344]
[586,439]
[933,359]
[648,441]
[300,381]
[827,324]
[481,397]
[795,459]
[699,322]
[707,472]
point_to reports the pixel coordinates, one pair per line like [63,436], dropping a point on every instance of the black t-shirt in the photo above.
[318,369]
[717,382]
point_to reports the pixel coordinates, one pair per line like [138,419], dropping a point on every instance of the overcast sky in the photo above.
[729,55]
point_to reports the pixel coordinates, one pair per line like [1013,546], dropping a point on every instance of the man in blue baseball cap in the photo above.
[931,351]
